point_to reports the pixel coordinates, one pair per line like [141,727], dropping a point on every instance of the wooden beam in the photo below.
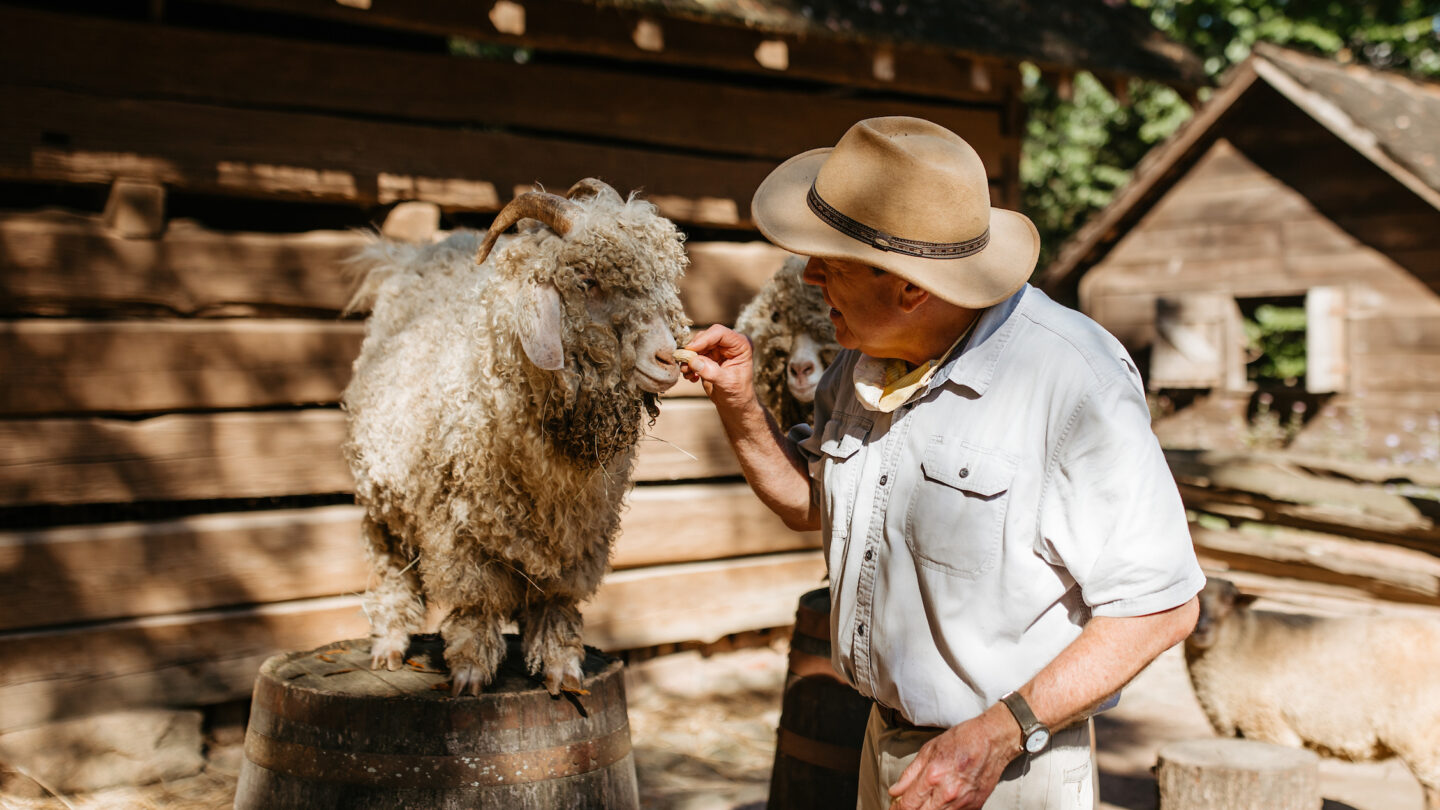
[135,209]
[634,104]
[608,31]
[263,454]
[61,136]
[58,264]
[211,657]
[110,571]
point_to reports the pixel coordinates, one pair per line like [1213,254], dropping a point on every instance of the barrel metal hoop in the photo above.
[411,771]
[822,754]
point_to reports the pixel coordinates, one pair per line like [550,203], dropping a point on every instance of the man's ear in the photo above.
[911,297]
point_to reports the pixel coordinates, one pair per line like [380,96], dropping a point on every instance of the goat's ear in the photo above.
[541,326]
[1245,600]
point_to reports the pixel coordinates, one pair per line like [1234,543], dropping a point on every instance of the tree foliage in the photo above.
[1079,151]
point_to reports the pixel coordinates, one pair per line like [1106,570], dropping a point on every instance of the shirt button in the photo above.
[883,479]
[869,553]
[860,630]
[964,472]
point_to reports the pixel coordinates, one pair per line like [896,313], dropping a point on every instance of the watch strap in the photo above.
[1029,723]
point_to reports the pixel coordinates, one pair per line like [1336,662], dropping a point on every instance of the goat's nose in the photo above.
[665,357]
[800,369]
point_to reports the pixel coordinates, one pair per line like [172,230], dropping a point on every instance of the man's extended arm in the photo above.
[772,465]
[959,769]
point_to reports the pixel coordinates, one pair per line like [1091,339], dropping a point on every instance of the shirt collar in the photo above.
[974,367]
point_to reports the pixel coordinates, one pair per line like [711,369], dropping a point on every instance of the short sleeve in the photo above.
[1111,514]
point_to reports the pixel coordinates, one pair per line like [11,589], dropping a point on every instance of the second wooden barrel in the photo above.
[327,732]
[822,720]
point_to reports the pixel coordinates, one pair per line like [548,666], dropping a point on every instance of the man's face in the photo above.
[864,305]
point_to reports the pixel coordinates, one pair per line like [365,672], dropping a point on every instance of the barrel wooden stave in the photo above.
[327,732]
[822,720]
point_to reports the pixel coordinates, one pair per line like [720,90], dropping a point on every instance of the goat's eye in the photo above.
[775,316]
[588,284]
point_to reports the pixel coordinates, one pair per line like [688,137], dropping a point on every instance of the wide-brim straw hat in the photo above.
[905,195]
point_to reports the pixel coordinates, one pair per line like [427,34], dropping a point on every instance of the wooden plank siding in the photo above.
[264,454]
[643,107]
[211,656]
[67,137]
[609,32]
[62,264]
[117,570]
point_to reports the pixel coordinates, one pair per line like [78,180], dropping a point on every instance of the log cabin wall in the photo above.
[180,184]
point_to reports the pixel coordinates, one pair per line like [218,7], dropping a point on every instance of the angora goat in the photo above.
[1357,688]
[788,323]
[493,418]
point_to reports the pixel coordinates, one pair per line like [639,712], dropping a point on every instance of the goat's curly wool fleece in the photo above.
[786,306]
[506,480]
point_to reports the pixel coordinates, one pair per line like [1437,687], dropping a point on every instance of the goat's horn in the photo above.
[558,214]
[590,187]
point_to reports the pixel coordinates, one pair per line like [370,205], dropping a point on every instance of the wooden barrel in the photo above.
[328,732]
[822,720]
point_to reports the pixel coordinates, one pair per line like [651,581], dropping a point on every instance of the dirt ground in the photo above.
[703,732]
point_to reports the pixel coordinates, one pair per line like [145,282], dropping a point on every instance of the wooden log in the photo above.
[1237,775]
[53,263]
[1388,572]
[211,656]
[1285,494]
[615,102]
[109,571]
[326,731]
[264,454]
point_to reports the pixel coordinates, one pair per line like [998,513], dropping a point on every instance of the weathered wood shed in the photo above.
[181,180]
[1303,184]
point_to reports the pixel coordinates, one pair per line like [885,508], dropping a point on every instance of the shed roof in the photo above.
[1387,117]
[1109,37]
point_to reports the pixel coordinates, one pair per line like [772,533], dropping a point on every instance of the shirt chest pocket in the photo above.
[956,518]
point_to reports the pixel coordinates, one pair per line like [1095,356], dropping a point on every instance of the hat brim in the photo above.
[975,281]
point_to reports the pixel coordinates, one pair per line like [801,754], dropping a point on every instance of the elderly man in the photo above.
[1005,543]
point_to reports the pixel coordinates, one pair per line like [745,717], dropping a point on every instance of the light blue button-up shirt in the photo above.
[971,533]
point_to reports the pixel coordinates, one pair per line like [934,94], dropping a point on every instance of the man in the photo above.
[1005,543]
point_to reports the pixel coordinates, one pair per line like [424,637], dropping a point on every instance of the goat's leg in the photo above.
[394,603]
[550,631]
[474,648]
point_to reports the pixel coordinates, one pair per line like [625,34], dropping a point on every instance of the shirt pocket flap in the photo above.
[842,437]
[968,468]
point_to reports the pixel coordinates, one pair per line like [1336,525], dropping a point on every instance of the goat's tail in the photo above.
[379,260]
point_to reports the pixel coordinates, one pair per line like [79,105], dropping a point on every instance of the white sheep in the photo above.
[493,418]
[788,324]
[1358,688]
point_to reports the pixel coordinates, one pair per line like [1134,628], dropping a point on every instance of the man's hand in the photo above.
[959,769]
[725,366]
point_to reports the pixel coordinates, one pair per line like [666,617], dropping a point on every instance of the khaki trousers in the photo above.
[1062,777]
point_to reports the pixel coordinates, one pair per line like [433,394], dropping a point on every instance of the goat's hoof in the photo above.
[567,678]
[466,679]
[386,655]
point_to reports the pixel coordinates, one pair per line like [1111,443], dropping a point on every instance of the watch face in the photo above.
[1035,743]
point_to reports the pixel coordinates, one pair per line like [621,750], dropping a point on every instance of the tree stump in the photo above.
[328,733]
[1235,774]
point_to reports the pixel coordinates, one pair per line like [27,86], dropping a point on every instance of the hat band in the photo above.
[894,244]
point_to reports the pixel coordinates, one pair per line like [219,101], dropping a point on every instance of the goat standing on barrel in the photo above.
[493,419]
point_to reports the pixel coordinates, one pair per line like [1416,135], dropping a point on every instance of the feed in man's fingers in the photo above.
[685,356]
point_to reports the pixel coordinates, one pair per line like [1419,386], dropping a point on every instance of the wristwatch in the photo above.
[1035,735]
